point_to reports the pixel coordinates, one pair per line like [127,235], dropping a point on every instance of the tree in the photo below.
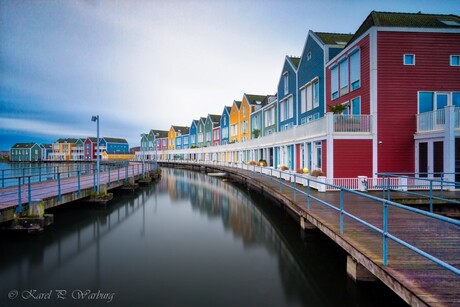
[338,108]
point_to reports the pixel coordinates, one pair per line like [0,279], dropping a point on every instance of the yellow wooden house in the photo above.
[235,129]
[249,104]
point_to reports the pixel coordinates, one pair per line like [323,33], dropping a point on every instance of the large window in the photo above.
[335,82]
[309,96]
[286,109]
[286,82]
[430,101]
[354,107]
[355,70]
[233,130]
[225,132]
[346,75]
[270,117]
[343,80]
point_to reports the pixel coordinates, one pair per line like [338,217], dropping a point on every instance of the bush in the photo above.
[262,162]
[317,172]
[283,167]
[252,163]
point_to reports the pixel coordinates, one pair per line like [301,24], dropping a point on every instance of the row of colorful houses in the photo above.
[72,149]
[384,99]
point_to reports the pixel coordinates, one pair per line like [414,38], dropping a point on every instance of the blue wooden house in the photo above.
[181,136]
[201,132]
[193,140]
[224,126]
[319,48]
[287,94]
[114,145]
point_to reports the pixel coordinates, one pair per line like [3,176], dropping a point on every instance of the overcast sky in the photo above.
[144,65]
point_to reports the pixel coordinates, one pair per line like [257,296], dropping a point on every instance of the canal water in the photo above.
[187,240]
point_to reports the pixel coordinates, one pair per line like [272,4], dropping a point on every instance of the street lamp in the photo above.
[95,118]
[155,145]
[143,135]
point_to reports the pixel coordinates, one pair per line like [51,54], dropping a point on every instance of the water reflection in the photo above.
[188,240]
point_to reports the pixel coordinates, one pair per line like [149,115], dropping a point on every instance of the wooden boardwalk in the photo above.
[419,281]
[49,191]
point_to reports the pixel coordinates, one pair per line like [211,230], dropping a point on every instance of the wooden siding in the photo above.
[398,87]
[308,70]
[352,158]
[364,90]
[245,117]
[234,119]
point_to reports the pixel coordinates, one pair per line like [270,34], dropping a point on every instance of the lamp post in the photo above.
[143,135]
[155,145]
[95,118]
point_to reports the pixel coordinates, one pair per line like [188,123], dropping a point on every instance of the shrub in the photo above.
[262,162]
[317,172]
[283,167]
[252,163]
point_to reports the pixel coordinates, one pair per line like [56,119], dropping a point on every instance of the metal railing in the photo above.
[384,204]
[352,123]
[35,186]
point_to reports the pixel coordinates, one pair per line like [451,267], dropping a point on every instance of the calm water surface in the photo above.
[188,240]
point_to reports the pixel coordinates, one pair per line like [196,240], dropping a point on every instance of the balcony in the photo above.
[435,121]
[352,123]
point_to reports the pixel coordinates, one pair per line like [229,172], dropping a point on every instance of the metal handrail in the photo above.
[384,202]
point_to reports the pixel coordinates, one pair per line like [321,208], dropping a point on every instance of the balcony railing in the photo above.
[439,120]
[352,123]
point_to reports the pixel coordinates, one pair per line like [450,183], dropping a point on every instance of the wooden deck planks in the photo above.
[428,281]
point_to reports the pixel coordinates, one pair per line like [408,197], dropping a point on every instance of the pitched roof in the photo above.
[115,140]
[23,145]
[161,133]
[238,104]
[183,129]
[295,61]
[255,99]
[406,20]
[334,38]
[215,118]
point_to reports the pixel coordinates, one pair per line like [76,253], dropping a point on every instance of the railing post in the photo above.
[108,183]
[59,186]
[308,194]
[19,207]
[40,174]
[118,169]
[29,191]
[441,193]
[385,233]
[388,187]
[295,188]
[23,175]
[431,196]
[341,210]
[68,171]
[281,184]
[3,178]
[78,176]
[94,180]
[126,172]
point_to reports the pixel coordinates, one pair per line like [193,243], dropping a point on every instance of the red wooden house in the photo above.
[403,72]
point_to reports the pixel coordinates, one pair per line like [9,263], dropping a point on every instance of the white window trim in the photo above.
[404,59]
[450,60]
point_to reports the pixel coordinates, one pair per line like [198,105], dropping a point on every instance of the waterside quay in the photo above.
[32,194]
[415,253]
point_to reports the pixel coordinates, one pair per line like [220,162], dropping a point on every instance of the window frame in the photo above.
[452,56]
[407,55]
